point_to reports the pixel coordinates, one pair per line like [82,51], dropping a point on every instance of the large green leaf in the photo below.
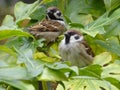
[96,8]
[7,50]
[92,70]
[10,33]
[108,4]
[114,4]
[112,70]
[20,84]
[52,75]
[87,83]
[98,25]
[103,59]
[22,10]
[13,73]
[34,67]
[112,29]
[8,23]
[111,44]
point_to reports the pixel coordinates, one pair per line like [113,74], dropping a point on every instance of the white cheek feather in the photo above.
[55,14]
[73,40]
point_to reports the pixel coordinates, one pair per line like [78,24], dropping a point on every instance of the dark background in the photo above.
[7,7]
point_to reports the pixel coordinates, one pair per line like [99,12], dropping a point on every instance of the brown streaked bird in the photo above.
[51,27]
[75,49]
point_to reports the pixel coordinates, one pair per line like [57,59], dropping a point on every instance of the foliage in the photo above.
[22,66]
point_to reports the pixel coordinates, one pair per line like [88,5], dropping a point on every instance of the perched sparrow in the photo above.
[75,49]
[51,27]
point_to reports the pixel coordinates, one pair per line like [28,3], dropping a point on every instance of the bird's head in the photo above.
[72,36]
[53,13]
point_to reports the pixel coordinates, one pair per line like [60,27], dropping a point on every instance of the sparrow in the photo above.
[75,49]
[51,27]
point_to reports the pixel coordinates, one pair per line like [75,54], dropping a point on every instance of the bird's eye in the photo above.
[59,14]
[76,37]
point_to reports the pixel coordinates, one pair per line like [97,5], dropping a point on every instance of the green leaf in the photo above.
[8,21]
[22,11]
[6,59]
[7,50]
[98,25]
[112,29]
[113,81]
[13,73]
[63,67]
[33,66]
[87,83]
[2,88]
[84,7]
[112,70]
[92,70]
[46,1]
[111,44]
[52,75]
[20,85]
[76,25]
[108,4]
[10,33]
[102,59]
[39,13]
[114,4]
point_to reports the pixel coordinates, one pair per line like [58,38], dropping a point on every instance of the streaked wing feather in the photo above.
[46,26]
[88,49]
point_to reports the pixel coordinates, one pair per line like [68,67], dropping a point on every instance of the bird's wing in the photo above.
[46,26]
[88,49]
